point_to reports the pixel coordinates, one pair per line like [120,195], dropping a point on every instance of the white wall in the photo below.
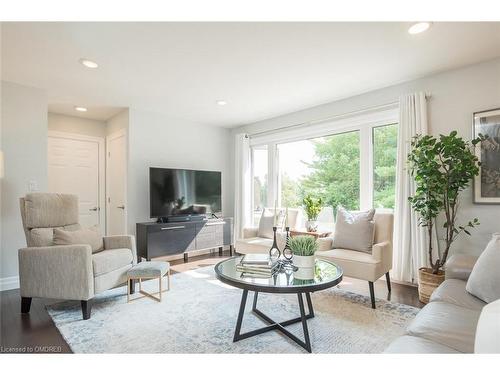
[76,125]
[117,122]
[455,96]
[24,143]
[160,141]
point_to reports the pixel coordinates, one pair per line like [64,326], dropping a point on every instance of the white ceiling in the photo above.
[261,69]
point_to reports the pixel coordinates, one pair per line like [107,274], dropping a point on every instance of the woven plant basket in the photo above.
[427,282]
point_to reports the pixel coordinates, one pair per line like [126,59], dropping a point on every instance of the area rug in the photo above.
[198,315]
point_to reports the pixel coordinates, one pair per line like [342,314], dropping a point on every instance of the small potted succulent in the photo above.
[313,208]
[303,249]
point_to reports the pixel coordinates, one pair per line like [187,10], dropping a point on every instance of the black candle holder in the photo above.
[287,252]
[274,251]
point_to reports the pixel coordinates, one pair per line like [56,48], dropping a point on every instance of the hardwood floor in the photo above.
[36,333]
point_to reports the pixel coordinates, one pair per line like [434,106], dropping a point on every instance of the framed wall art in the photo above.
[487,183]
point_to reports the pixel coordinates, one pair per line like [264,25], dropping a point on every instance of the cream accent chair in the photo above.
[251,243]
[365,266]
[70,272]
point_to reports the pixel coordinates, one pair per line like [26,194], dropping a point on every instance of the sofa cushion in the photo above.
[266,223]
[45,236]
[417,345]
[453,291]
[446,324]
[110,260]
[355,263]
[87,236]
[354,230]
[484,280]
[488,329]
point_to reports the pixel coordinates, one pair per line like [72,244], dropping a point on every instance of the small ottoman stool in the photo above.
[148,270]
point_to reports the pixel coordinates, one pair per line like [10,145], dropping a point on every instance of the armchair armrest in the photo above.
[121,242]
[250,232]
[63,272]
[459,266]
[383,252]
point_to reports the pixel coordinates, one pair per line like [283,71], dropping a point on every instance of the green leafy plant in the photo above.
[303,245]
[442,167]
[312,206]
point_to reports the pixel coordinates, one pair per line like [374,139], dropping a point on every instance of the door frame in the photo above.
[101,165]
[117,134]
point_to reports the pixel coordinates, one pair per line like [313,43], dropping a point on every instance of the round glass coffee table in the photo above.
[324,275]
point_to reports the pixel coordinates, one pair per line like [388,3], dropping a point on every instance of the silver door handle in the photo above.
[121,207]
[170,228]
[94,209]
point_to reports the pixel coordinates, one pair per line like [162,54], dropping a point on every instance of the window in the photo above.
[349,162]
[259,181]
[326,167]
[385,139]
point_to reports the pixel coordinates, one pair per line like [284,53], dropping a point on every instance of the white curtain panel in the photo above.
[410,240]
[242,194]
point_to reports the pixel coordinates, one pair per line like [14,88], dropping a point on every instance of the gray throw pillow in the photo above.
[267,221]
[88,236]
[484,280]
[354,230]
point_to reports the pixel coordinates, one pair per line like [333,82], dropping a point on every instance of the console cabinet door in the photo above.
[171,239]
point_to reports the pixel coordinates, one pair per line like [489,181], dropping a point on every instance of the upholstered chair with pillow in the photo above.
[64,260]
[259,239]
[361,245]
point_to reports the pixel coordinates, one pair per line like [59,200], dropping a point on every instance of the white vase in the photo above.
[303,261]
[304,273]
[312,225]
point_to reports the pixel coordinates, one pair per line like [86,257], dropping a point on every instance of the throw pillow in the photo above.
[484,280]
[354,230]
[88,236]
[266,223]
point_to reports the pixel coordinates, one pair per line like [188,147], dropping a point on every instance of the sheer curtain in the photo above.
[410,240]
[242,186]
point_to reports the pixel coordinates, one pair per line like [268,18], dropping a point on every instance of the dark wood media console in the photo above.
[162,239]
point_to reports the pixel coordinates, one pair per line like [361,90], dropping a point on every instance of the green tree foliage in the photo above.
[335,171]
[384,165]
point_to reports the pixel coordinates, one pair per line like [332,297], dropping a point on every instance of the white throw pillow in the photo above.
[484,280]
[266,223]
[354,230]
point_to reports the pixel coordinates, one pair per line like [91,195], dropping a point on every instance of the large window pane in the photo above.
[384,165]
[326,167]
[260,181]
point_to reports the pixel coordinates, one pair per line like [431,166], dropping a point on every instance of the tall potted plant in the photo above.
[313,208]
[442,167]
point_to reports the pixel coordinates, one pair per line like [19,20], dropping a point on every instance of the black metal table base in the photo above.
[306,343]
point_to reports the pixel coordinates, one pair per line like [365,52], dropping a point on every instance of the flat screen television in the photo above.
[174,192]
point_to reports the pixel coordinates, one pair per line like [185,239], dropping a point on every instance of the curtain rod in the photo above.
[347,114]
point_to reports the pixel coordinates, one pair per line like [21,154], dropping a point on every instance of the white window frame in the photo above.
[363,122]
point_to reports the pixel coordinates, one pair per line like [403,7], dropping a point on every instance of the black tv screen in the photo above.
[184,192]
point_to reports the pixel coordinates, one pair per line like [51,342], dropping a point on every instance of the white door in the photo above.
[116,183]
[75,167]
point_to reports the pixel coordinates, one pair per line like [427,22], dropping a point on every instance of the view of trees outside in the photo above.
[384,165]
[328,167]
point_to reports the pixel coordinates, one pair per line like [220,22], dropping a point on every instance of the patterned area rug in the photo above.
[198,315]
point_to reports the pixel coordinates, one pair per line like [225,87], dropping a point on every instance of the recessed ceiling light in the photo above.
[419,27]
[88,63]
[221,102]
[80,109]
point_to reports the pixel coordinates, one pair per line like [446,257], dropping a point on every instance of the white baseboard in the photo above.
[8,283]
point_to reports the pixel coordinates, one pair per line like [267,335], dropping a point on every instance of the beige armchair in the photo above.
[365,266]
[70,272]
